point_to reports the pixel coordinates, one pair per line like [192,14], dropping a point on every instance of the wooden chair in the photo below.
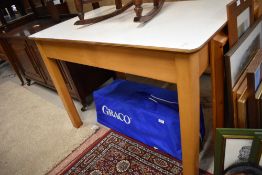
[48,8]
[120,8]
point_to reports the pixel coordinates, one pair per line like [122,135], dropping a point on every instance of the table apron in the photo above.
[155,64]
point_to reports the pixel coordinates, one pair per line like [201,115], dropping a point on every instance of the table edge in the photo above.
[186,51]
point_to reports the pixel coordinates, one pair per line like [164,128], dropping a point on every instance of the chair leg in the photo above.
[138,8]
[156,3]
[79,9]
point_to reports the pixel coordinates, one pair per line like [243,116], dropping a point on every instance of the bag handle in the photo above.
[156,99]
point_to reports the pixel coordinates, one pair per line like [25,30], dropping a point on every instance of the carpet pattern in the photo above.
[118,154]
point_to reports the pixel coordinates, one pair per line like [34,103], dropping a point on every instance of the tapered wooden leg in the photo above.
[156,3]
[61,88]
[17,71]
[218,78]
[118,4]
[28,82]
[79,8]
[11,58]
[189,105]
[138,7]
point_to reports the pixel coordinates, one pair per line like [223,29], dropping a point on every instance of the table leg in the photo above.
[17,71]
[218,78]
[53,69]
[11,58]
[189,109]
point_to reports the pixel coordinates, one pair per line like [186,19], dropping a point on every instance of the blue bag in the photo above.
[145,113]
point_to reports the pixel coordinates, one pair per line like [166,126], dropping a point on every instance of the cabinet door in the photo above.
[32,46]
[25,58]
[62,66]
[68,79]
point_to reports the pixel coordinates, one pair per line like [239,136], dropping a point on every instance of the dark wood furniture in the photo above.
[158,4]
[120,8]
[39,8]
[6,4]
[47,8]
[234,10]
[25,58]
[3,56]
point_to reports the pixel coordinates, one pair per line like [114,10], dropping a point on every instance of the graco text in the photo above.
[119,116]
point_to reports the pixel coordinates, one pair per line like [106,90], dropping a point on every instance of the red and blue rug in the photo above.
[114,154]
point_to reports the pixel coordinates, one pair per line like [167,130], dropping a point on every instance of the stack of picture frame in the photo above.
[254,91]
[241,63]
[238,149]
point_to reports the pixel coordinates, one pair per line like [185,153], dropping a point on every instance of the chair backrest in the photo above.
[53,11]
[49,8]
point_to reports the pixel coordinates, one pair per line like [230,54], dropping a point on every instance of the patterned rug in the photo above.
[118,154]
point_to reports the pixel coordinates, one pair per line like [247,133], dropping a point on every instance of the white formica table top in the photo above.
[183,26]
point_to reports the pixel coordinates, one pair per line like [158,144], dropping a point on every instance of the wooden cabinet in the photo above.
[4,49]
[2,53]
[20,50]
[24,55]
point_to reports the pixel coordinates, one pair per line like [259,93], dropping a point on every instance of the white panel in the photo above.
[243,22]
[181,25]
[236,150]
[240,57]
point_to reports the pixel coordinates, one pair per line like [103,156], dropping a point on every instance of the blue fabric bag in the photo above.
[145,113]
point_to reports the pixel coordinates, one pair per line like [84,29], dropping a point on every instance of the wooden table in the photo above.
[173,47]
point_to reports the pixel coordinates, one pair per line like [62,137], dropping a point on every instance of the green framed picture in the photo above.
[235,146]
[256,150]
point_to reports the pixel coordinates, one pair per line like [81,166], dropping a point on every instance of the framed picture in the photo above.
[236,61]
[233,146]
[242,110]
[254,77]
[256,150]
[240,15]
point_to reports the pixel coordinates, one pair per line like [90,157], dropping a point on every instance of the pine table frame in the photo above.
[174,65]
[183,69]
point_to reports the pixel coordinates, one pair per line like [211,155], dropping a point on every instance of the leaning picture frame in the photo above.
[233,146]
[254,78]
[256,150]
[236,61]
[240,15]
